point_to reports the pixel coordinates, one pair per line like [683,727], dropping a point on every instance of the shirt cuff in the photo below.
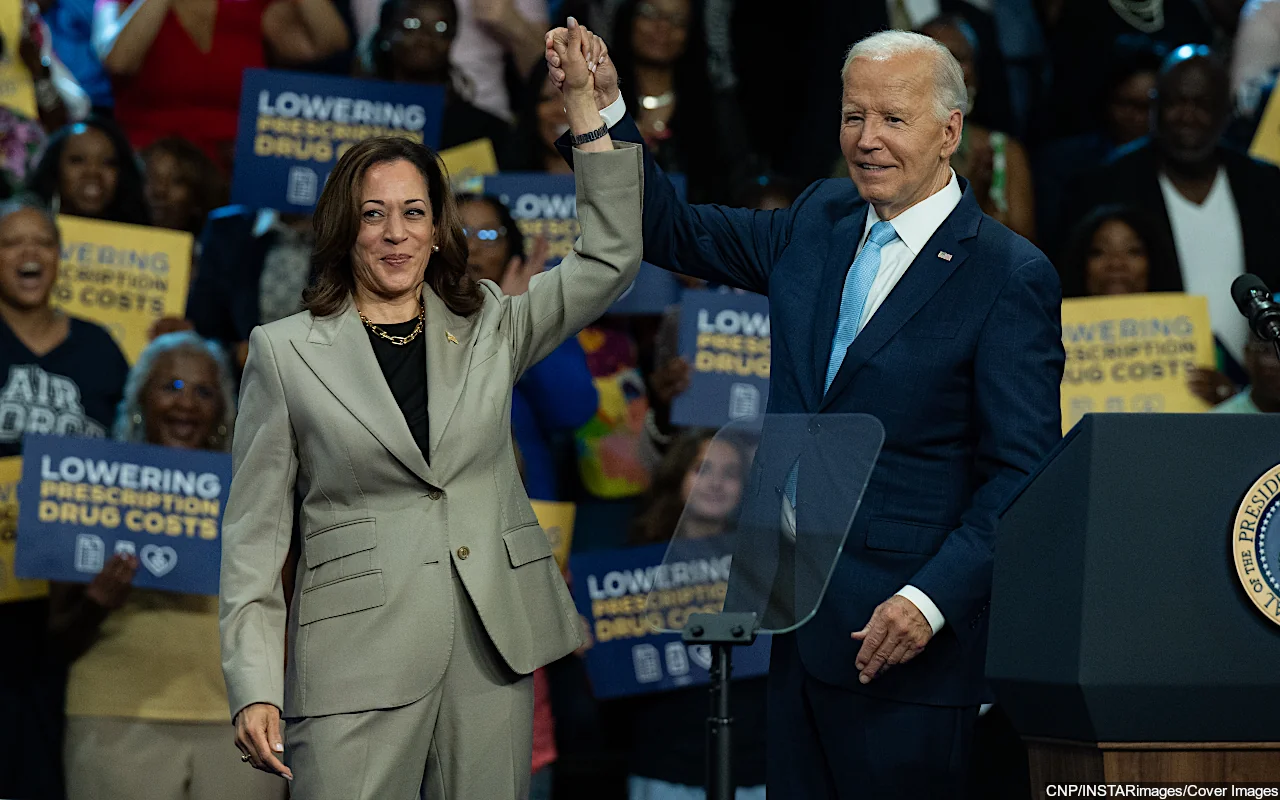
[614,112]
[927,607]
[788,518]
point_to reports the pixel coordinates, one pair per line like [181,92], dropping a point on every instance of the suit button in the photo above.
[463,552]
[435,494]
[813,427]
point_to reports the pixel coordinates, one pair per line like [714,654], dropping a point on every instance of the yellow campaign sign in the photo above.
[469,163]
[16,90]
[1133,353]
[13,588]
[557,520]
[123,277]
[1266,142]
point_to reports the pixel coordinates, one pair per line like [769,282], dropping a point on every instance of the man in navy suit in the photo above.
[891,295]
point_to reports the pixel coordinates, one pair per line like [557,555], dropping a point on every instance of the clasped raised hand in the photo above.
[595,55]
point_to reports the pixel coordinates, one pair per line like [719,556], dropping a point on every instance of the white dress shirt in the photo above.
[1210,247]
[914,227]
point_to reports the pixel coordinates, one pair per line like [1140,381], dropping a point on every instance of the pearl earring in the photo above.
[435,248]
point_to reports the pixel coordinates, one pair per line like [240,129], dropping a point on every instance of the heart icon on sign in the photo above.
[700,654]
[159,561]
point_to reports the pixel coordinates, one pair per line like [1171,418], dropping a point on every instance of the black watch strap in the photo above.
[598,133]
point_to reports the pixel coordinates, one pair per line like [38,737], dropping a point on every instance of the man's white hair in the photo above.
[950,92]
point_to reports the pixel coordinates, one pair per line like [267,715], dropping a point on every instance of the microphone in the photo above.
[1255,302]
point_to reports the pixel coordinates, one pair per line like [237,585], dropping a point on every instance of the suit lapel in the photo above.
[338,351]
[918,285]
[450,345]
[844,246]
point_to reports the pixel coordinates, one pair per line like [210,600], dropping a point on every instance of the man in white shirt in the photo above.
[1219,207]
[892,295]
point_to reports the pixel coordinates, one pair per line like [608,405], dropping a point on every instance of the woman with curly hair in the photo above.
[89,170]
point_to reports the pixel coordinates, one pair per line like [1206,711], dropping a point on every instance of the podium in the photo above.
[1135,611]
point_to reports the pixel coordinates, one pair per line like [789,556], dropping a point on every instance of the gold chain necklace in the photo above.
[398,340]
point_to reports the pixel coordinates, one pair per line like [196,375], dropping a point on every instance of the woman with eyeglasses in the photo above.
[412,45]
[146,705]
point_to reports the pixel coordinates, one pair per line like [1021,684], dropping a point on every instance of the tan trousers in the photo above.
[471,738]
[112,758]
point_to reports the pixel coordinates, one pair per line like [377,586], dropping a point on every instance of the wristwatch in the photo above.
[598,133]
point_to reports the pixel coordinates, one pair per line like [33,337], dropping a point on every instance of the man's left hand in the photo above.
[897,633]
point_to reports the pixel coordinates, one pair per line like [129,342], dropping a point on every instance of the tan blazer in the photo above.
[372,622]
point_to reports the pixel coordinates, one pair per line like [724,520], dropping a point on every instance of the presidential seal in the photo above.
[1255,544]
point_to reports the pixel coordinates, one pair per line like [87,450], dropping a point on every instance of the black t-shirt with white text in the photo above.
[72,390]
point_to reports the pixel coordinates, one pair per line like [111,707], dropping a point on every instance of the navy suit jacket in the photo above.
[223,300]
[961,364]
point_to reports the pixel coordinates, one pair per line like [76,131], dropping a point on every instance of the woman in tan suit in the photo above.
[426,593]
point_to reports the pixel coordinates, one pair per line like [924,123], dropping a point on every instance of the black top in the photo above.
[71,390]
[405,368]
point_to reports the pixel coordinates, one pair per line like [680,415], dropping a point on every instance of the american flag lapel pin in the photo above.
[450,337]
[944,255]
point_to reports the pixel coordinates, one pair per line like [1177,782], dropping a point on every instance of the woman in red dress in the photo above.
[176,64]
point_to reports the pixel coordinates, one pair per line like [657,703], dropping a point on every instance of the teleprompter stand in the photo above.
[799,482]
[722,632]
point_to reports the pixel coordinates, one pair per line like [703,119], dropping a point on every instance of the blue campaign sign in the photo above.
[546,205]
[611,588]
[81,500]
[725,337]
[294,126]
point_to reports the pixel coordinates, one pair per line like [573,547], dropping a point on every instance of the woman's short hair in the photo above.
[515,240]
[1162,263]
[197,171]
[130,202]
[28,202]
[337,223]
[131,423]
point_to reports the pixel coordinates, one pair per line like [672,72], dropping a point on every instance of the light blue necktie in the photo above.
[857,285]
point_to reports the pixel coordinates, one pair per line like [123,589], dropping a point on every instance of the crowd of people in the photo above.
[1110,133]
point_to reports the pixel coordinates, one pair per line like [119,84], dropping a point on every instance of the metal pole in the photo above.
[719,727]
